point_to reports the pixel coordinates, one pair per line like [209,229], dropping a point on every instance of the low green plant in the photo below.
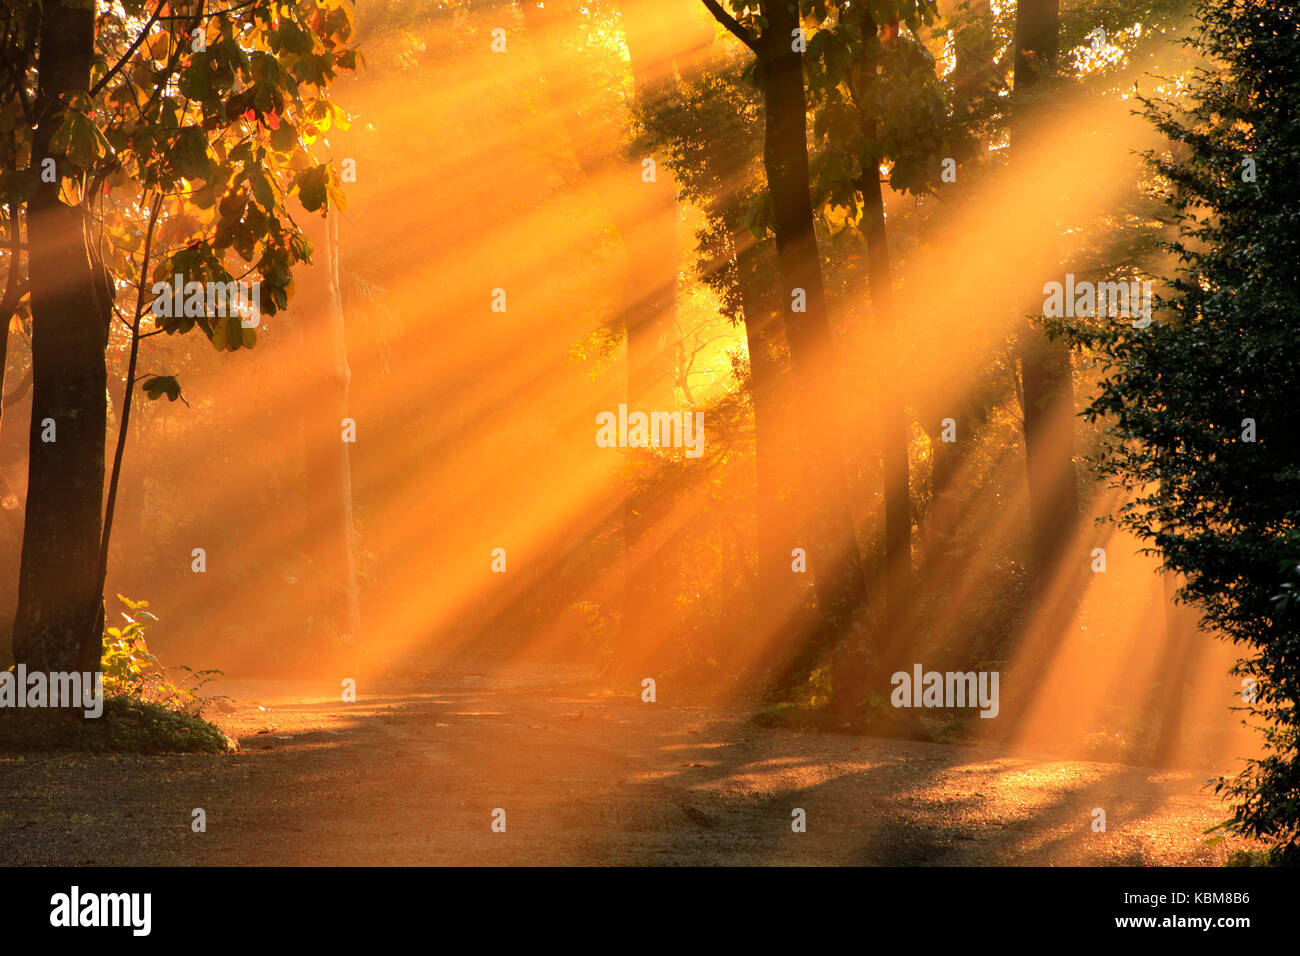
[132,670]
[145,710]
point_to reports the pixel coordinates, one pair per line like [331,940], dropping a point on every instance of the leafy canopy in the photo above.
[215,113]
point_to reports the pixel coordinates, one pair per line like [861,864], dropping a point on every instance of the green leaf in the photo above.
[312,187]
[78,140]
[156,386]
[190,154]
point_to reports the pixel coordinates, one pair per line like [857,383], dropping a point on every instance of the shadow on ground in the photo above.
[413,774]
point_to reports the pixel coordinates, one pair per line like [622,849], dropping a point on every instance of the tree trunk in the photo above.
[649,231]
[774,598]
[893,430]
[58,594]
[341,544]
[974,80]
[649,235]
[1045,368]
[773,438]
[652,241]
[832,547]
[649,315]
[1182,645]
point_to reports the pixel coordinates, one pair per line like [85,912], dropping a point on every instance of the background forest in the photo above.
[827,227]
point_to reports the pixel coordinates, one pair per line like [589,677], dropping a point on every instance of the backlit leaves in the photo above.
[156,386]
[79,140]
[225,134]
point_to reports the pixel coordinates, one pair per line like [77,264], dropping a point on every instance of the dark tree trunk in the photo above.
[974,81]
[773,438]
[59,599]
[775,594]
[832,546]
[1049,438]
[1045,369]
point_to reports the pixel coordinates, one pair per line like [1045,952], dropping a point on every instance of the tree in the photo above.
[772,34]
[1045,369]
[169,133]
[58,595]
[328,456]
[648,229]
[708,128]
[1205,403]
[876,101]
[652,244]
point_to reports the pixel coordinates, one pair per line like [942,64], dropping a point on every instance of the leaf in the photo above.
[190,154]
[157,386]
[78,140]
[284,137]
[312,188]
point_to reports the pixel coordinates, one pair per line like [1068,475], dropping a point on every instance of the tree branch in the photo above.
[730,23]
[124,424]
[107,77]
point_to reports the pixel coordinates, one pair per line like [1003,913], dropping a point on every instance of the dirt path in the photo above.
[412,776]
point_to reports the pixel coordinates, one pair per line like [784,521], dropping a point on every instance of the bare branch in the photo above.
[104,80]
[731,25]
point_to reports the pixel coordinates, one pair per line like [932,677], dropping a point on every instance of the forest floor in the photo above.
[412,776]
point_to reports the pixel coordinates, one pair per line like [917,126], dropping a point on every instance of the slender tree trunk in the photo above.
[124,419]
[773,592]
[652,242]
[649,235]
[832,547]
[1181,649]
[974,80]
[893,430]
[772,439]
[1045,368]
[343,564]
[649,231]
[649,315]
[58,595]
